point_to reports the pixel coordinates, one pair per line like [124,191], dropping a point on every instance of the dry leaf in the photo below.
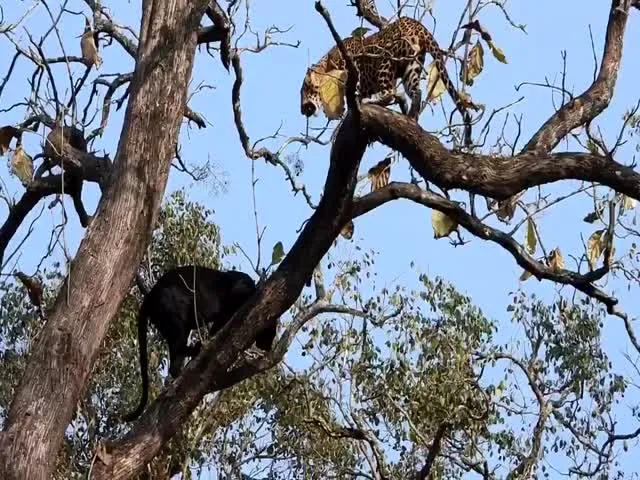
[331,89]
[88,47]
[506,208]
[379,174]
[532,240]
[7,133]
[474,64]
[555,260]
[33,286]
[628,203]
[433,77]
[22,165]
[595,247]
[442,224]
[347,230]
[497,52]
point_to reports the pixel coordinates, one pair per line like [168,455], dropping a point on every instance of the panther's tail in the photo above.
[143,315]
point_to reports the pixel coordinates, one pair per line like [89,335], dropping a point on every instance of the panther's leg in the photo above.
[411,82]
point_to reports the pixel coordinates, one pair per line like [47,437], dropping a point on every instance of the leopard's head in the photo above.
[310,103]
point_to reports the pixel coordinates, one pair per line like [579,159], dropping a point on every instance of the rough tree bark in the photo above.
[62,357]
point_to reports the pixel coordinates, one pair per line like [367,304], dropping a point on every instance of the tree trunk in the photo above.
[62,357]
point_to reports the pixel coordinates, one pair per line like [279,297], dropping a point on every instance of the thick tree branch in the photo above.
[36,191]
[434,450]
[597,97]
[496,177]
[79,166]
[219,32]
[105,25]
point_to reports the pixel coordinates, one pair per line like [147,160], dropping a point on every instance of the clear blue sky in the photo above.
[402,231]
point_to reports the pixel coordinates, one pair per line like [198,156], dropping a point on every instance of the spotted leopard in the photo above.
[396,51]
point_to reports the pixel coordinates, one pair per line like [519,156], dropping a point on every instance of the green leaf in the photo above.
[277,254]
[532,240]
[359,32]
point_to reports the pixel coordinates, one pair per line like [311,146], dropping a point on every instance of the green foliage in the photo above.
[277,254]
[377,376]
[184,235]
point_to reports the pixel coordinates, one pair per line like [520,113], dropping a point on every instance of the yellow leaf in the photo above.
[22,165]
[331,89]
[347,230]
[474,64]
[379,174]
[497,52]
[442,224]
[555,260]
[7,133]
[532,240]
[433,77]
[595,247]
[88,47]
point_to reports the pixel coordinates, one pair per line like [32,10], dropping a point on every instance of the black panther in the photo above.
[171,306]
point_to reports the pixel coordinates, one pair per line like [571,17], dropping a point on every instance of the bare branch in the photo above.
[597,97]
[367,9]
[412,192]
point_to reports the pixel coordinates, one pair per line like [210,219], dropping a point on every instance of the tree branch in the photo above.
[273,298]
[367,9]
[597,97]
[540,270]
[496,177]
[434,450]
[219,32]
